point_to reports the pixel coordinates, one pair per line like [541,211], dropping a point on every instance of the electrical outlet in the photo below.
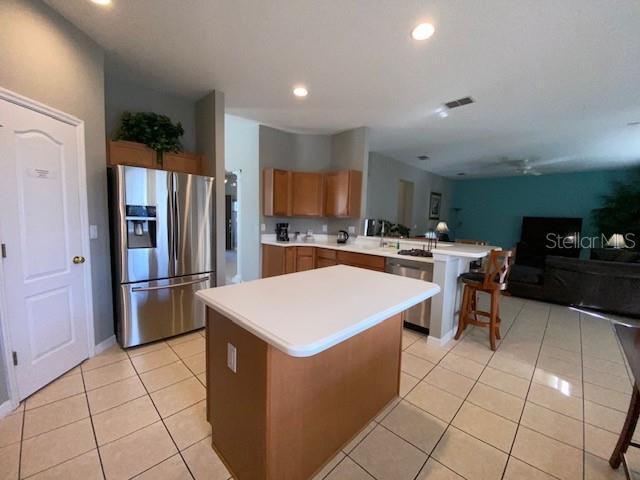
[325,228]
[352,229]
[232,357]
[263,227]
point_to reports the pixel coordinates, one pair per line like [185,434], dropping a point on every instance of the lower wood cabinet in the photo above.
[305,258]
[278,260]
[372,262]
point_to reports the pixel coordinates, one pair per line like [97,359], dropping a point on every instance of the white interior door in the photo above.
[41,228]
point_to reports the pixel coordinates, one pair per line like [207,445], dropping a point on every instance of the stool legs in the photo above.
[464,312]
[493,319]
[627,430]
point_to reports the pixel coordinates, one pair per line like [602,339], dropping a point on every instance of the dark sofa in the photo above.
[605,285]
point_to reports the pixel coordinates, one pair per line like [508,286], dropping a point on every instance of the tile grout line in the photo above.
[584,417]
[93,429]
[515,436]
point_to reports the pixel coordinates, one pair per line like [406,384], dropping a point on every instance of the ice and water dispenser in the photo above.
[141,226]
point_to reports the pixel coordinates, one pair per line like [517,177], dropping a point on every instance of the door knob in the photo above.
[78,259]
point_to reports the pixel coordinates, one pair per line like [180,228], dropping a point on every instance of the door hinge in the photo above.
[15,358]
[3,247]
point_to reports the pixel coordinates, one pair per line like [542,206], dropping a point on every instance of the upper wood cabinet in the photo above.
[312,194]
[306,194]
[139,155]
[276,192]
[343,194]
[131,153]
[182,162]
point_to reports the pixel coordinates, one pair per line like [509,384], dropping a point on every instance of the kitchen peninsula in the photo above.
[449,260]
[290,361]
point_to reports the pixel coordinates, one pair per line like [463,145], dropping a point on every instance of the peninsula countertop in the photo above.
[305,313]
[370,246]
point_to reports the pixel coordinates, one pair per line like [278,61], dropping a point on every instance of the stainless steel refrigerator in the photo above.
[163,251]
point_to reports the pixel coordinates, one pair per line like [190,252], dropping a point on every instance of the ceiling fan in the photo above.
[522,166]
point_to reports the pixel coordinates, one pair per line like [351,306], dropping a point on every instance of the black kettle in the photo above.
[343,236]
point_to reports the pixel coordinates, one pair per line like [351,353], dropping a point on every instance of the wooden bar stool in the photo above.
[492,281]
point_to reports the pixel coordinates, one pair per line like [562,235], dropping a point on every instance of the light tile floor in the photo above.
[548,404]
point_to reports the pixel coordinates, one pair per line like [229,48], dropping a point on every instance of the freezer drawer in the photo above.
[149,311]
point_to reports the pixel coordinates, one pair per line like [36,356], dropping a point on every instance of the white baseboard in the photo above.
[6,408]
[102,346]
[447,337]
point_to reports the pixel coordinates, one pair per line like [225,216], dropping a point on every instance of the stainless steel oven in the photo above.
[417,317]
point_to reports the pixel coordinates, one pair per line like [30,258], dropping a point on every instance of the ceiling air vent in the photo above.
[423,157]
[459,103]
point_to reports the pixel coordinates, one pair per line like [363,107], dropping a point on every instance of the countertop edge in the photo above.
[324,344]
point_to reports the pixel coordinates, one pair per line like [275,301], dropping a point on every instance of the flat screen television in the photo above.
[543,236]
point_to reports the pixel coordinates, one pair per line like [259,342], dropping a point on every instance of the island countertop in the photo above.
[305,313]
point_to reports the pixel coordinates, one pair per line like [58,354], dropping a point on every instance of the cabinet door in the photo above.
[182,162]
[343,191]
[276,193]
[325,262]
[304,263]
[362,260]
[306,194]
[290,260]
[305,259]
[273,261]
[131,153]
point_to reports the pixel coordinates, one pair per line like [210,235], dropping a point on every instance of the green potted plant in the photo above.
[152,129]
[620,211]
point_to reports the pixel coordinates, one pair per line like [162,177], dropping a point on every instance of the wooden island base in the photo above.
[283,417]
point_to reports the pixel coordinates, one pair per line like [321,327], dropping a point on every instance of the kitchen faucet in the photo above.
[382,235]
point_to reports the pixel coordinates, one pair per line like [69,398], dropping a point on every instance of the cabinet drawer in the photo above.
[325,262]
[326,253]
[305,251]
[372,262]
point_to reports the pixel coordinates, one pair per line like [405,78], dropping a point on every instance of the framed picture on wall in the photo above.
[435,202]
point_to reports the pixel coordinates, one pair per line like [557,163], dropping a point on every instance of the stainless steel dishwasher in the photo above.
[418,317]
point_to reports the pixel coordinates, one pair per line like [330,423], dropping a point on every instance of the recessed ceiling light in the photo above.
[634,124]
[461,174]
[300,91]
[102,2]
[423,157]
[442,112]
[422,31]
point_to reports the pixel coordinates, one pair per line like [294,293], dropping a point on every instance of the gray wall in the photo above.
[314,153]
[46,58]
[241,153]
[122,95]
[382,192]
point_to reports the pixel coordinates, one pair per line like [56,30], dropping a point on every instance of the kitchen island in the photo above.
[298,364]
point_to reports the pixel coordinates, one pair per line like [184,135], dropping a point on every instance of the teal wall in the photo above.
[492,208]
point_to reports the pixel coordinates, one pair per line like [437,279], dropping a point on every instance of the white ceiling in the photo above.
[555,82]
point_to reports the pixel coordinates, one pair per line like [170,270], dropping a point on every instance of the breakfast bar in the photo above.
[290,361]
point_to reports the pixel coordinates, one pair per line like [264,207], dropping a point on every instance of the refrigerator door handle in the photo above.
[176,227]
[176,285]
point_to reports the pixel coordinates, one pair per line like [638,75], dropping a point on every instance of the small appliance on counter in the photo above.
[282,232]
[371,227]
[343,236]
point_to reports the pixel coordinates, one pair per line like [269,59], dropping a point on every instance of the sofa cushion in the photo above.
[526,274]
